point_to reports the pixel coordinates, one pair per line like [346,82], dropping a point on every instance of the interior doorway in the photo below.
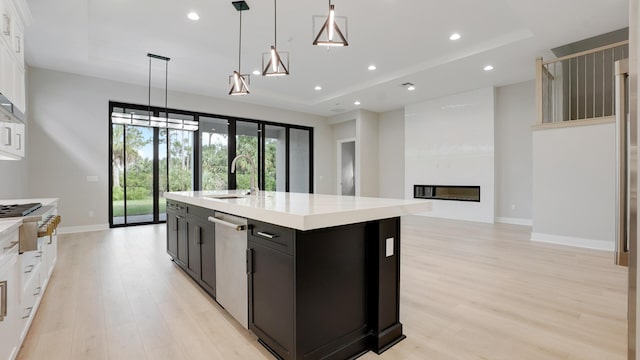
[346,161]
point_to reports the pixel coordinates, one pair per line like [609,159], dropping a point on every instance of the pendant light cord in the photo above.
[166,88]
[149,95]
[275,23]
[240,44]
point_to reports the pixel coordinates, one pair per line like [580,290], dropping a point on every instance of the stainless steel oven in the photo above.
[37,221]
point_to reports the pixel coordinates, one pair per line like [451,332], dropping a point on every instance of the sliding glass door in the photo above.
[214,145]
[132,165]
[146,161]
[247,143]
[154,151]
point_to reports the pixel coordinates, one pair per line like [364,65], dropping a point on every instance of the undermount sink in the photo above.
[225,196]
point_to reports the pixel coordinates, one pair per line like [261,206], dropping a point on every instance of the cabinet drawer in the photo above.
[200,212]
[176,207]
[8,243]
[272,236]
[29,266]
[32,291]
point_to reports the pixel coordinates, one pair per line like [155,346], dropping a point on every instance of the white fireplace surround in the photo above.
[450,141]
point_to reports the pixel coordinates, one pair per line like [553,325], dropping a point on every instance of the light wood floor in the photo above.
[469,291]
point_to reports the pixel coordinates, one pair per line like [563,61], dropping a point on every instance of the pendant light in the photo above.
[166,85]
[239,82]
[330,33]
[272,63]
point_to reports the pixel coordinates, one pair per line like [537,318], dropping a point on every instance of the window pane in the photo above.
[117,165]
[275,158]
[246,144]
[138,174]
[215,153]
[299,155]
[162,173]
[180,160]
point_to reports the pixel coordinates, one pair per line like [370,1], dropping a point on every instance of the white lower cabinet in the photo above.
[23,281]
[12,137]
[10,290]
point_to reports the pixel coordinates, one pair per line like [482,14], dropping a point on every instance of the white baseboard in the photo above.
[79,229]
[573,241]
[514,221]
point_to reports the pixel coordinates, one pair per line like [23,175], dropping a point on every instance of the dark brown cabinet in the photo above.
[331,293]
[177,232]
[194,261]
[191,242]
[271,281]
[328,293]
[202,255]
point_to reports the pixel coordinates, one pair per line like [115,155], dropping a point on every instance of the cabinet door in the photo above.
[183,250]
[195,239]
[271,297]
[9,330]
[17,39]
[208,256]
[18,139]
[7,79]
[19,97]
[172,233]
[6,137]
[6,21]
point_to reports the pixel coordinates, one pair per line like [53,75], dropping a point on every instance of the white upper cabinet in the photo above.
[14,16]
[12,136]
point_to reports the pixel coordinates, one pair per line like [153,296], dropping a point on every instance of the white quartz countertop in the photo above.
[303,211]
[43,201]
[9,225]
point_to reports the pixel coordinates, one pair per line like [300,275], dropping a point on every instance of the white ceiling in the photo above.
[408,41]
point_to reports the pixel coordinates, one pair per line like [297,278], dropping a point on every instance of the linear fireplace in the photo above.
[447,192]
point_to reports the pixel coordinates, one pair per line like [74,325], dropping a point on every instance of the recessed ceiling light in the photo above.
[409,86]
[256,72]
[371,67]
[454,36]
[318,88]
[193,16]
[356,103]
[488,68]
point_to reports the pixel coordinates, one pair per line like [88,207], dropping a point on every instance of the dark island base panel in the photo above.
[344,299]
[330,293]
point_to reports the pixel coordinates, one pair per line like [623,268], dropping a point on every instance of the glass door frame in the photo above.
[197,152]
[155,111]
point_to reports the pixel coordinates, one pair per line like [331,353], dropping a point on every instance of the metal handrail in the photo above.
[579,86]
[587,52]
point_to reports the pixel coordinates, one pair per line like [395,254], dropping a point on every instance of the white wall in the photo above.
[68,138]
[515,114]
[391,154]
[574,186]
[346,129]
[450,141]
[367,154]
[299,160]
[13,178]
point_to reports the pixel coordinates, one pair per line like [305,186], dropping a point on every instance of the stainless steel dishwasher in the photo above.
[231,270]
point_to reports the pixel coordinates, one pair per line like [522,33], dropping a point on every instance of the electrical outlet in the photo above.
[513,206]
[90,213]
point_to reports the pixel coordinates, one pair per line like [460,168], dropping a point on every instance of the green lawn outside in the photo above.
[137,207]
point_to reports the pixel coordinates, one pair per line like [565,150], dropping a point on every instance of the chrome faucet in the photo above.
[254,188]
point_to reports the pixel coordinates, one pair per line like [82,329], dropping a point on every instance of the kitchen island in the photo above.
[322,272]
